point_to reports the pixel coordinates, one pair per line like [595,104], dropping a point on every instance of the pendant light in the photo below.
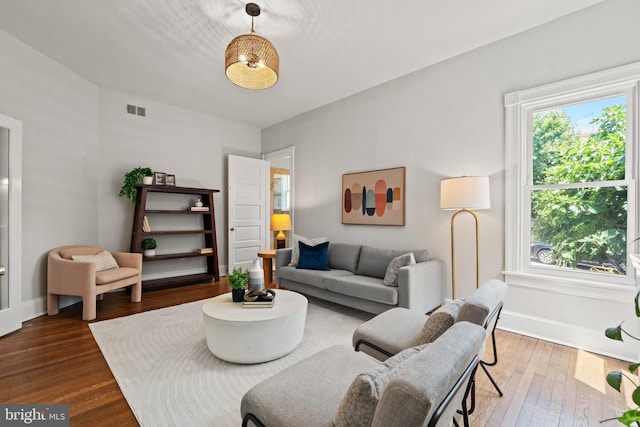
[251,61]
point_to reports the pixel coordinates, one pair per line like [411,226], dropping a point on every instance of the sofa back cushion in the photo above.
[374,261]
[344,256]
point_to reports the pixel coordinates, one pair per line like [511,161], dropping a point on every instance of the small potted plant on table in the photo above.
[238,280]
[149,247]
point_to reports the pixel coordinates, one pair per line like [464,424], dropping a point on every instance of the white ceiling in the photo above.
[173,50]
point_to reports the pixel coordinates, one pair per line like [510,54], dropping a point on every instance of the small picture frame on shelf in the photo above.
[171,180]
[159,178]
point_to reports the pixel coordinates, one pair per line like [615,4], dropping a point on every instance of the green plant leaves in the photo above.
[614,379]
[636,303]
[630,417]
[614,333]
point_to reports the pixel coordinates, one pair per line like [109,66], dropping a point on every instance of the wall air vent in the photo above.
[136,111]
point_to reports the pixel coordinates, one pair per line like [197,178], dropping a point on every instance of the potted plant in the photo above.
[131,178]
[238,280]
[149,247]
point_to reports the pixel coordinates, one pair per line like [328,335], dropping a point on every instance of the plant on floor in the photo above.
[238,278]
[149,243]
[131,178]
[614,378]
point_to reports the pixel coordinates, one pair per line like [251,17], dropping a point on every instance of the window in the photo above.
[571,169]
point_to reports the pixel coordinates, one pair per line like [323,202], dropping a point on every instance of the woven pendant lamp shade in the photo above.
[252,62]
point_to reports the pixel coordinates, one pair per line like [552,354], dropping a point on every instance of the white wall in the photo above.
[59,112]
[193,146]
[77,145]
[448,120]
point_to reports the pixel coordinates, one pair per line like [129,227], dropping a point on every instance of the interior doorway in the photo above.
[281,197]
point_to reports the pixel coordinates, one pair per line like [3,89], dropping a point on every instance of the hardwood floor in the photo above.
[55,360]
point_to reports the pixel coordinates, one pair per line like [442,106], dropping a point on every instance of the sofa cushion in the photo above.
[103,260]
[295,253]
[364,287]
[314,257]
[344,256]
[374,261]
[314,278]
[439,321]
[359,402]
[391,275]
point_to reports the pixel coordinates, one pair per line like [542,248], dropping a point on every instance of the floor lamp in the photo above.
[464,194]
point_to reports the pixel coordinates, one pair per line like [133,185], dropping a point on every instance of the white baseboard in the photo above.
[569,335]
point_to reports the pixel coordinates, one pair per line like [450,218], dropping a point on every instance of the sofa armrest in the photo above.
[283,258]
[420,286]
[128,259]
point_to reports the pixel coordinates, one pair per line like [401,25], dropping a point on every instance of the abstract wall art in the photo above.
[374,197]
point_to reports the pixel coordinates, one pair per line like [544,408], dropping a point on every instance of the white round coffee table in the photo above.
[254,335]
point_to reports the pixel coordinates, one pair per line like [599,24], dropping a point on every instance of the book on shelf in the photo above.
[199,208]
[145,224]
[205,250]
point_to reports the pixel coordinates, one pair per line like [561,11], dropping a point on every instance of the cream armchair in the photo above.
[68,277]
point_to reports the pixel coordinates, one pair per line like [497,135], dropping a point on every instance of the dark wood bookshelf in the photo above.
[208,230]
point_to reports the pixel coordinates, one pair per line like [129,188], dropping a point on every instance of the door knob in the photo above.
[2,271]
[232,229]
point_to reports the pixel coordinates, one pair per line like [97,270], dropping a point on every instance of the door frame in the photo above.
[11,318]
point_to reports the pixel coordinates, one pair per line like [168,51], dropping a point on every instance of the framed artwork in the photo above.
[171,180]
[159,178]
[374,197]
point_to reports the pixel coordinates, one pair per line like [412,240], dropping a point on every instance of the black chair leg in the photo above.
[484,368]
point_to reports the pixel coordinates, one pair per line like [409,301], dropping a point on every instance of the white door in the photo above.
[10,224]
[248,210]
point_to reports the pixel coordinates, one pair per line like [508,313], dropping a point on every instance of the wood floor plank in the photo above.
[56,360]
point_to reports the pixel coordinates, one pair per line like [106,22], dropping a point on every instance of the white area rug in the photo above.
[162,364]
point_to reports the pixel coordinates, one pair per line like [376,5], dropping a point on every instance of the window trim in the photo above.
[519,109]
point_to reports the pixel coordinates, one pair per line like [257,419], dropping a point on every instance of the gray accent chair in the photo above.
[392,331]
[426,390]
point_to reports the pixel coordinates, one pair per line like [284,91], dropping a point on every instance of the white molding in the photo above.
[571,286]
[592,340]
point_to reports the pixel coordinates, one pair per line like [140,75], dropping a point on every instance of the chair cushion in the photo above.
[439,321]
[314,257]
[103,260]
[359,402]
[295,253]
[391,275]
[67,253]
[115,274]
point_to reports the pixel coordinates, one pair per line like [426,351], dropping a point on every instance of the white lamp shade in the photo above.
[465,192]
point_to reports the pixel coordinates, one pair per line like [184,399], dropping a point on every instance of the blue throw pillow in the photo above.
[314,257]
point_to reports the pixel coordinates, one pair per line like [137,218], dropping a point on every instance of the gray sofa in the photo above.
[419,389]
[356,274]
